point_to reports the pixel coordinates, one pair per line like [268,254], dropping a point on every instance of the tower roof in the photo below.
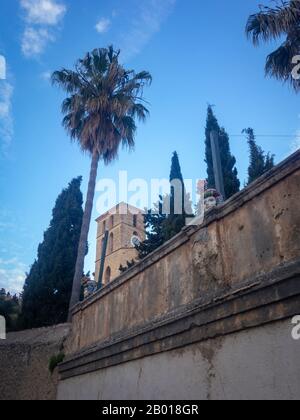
[121,208]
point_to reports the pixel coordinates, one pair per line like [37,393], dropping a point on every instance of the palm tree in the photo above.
[100,113]
[269,24]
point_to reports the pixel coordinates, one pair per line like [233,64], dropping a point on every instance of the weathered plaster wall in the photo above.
[24,360]
[260,363]
[251,234]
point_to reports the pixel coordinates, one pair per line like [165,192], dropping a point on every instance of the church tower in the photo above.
[125,227]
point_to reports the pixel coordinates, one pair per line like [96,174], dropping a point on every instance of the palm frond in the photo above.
[271,23]
[279,65]
[67,79]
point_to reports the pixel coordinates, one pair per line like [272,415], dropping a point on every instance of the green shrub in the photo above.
[55,361]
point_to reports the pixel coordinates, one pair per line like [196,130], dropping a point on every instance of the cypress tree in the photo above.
[48,286]
[228,161]
[269,162]
[179,200]
[175,172]
[260,162]
[161,226]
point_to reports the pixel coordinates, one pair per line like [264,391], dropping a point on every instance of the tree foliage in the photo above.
[180,202]
[260,162]
[48,286]
[10,308]
[105,100]
[228,161]
[168,216]
[154,224]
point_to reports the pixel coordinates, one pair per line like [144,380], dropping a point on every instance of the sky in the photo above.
[197,53]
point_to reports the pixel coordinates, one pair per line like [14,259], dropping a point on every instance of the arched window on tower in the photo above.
[107,275]
[112,221]
[104,226]
[111,243]
[135,221]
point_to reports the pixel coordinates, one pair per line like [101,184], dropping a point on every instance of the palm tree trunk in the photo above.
[86,221]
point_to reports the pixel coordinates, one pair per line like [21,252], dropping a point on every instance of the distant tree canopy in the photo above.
[260,162]
[228,161]
[10,309]
[48,286]
[154,224]
[168,216]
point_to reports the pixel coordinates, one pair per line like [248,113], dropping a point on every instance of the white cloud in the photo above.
[12,267]
[43,12]
[6,91]
[12,275]
[41,16]
[8,262]
[2,68]
[103,25]
[6,119]
[34,41]
[149,18]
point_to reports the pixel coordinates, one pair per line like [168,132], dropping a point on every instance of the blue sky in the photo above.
[197,54]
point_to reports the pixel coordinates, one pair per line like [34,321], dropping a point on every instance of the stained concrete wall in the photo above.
[251,234]
[259,363]
[24,361]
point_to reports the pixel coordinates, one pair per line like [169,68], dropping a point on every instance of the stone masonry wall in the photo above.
[24,360]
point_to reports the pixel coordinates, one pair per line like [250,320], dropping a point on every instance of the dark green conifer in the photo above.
[260,162]
[180,202]
[48,286]
[228,161]
[169,214]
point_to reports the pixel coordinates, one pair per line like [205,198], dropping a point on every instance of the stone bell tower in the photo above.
[125,226]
